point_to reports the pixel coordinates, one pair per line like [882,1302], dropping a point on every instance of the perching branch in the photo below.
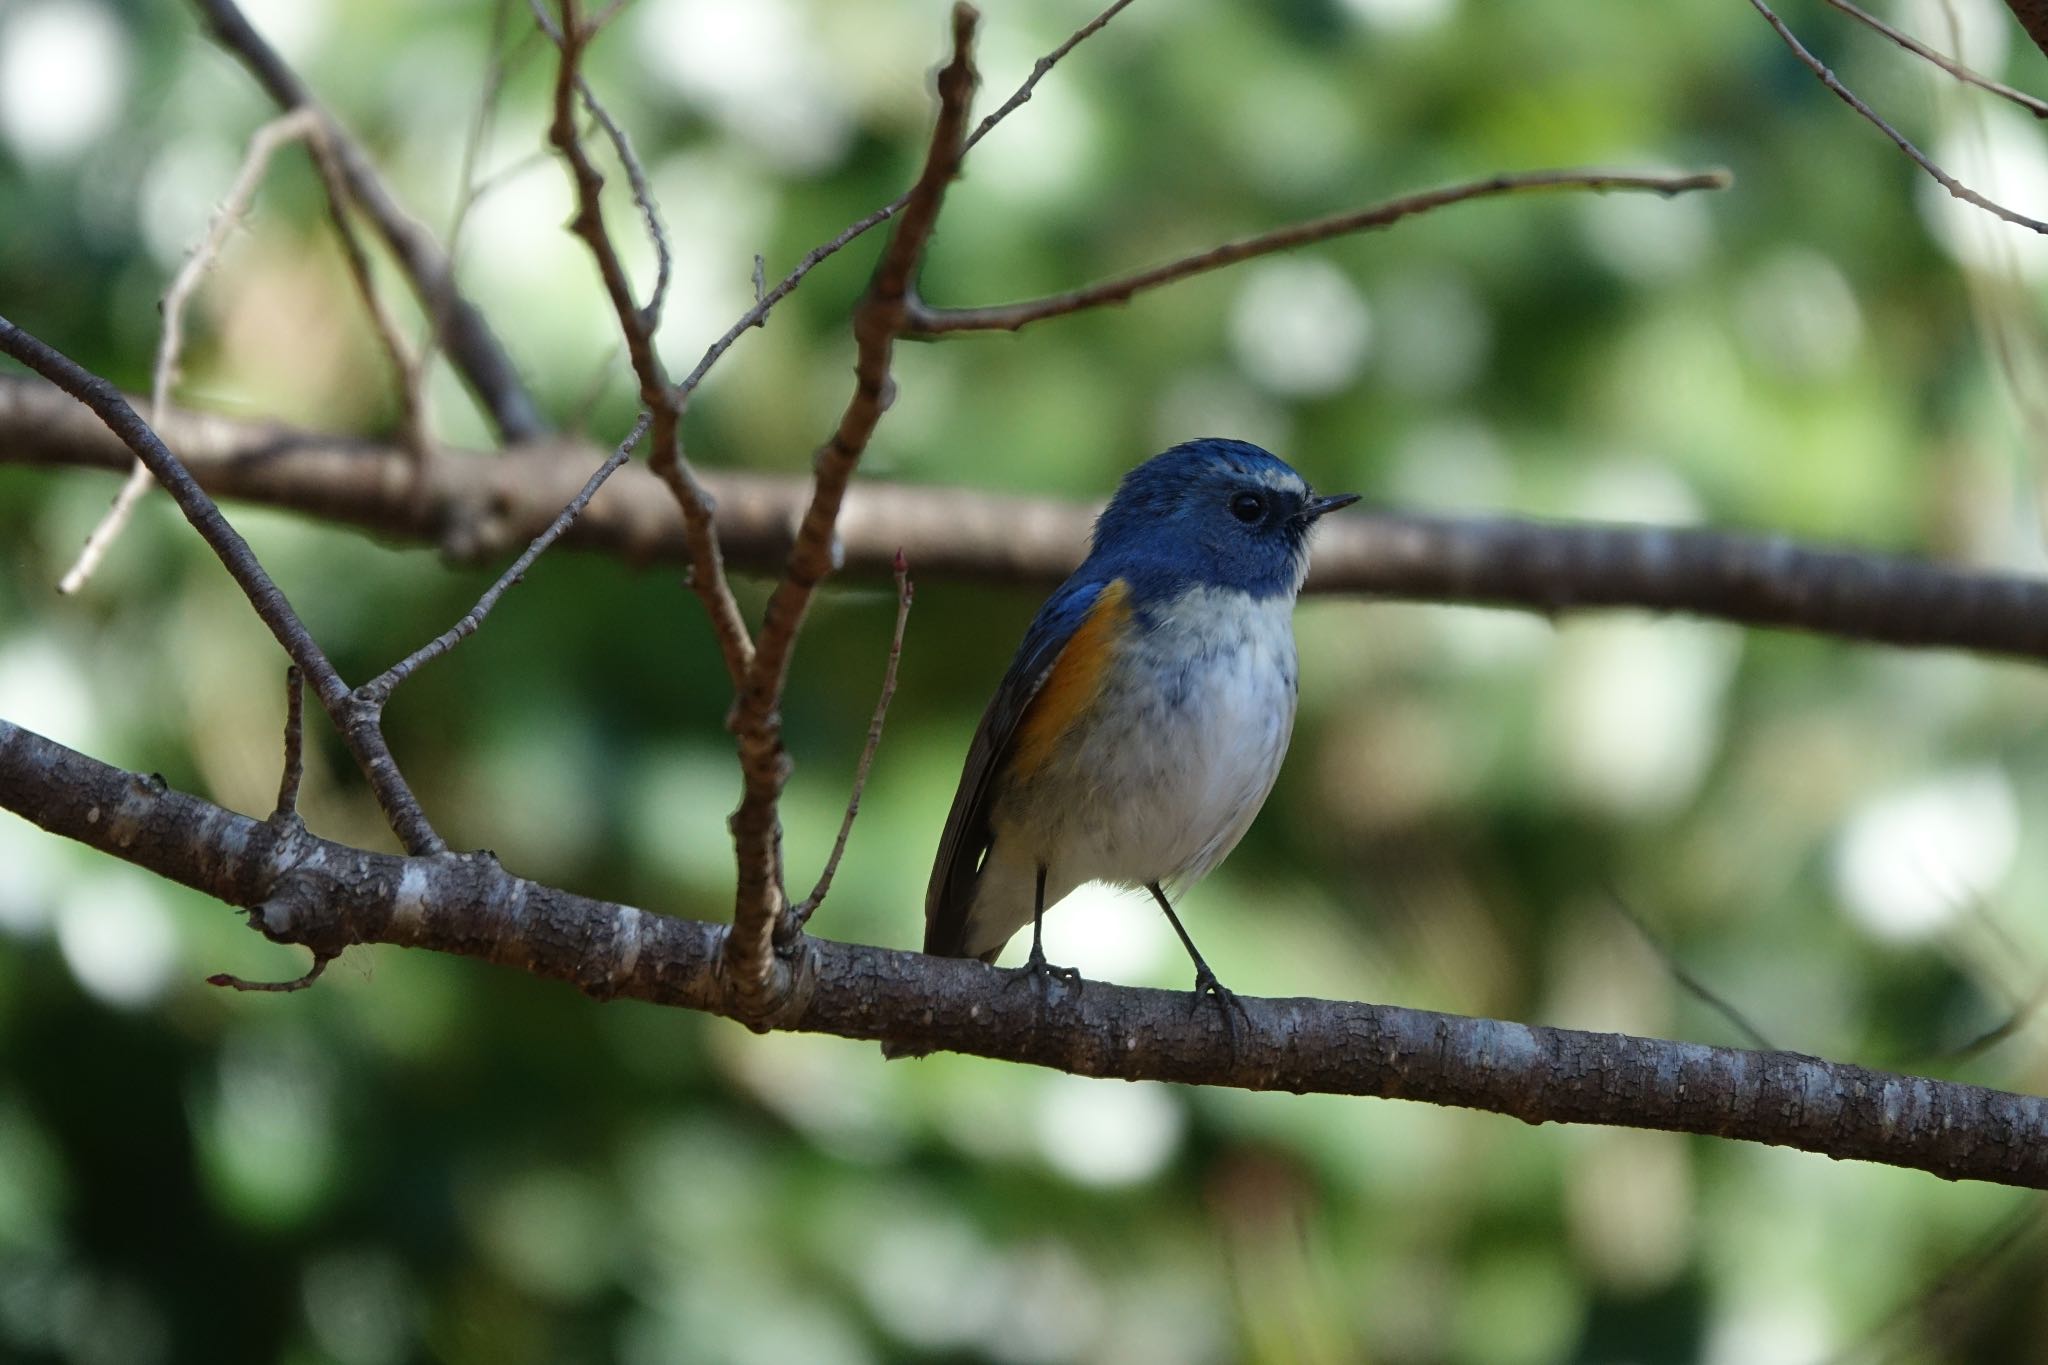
[326,896]
[879,318]
[927,322]
[358,726]
[465,337]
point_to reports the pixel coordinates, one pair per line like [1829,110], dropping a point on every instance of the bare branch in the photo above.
[171,340]
[2037,107]
[1552,567]
[326,896]
[707,566]
[466,337]
[232,982]
[759,901]
[1849,97]
[358,728]
[926,321]
[800,915]
[406,370]
[294,745]
[379,689]
[765,301]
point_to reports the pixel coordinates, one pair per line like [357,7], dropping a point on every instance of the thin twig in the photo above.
[1680,973]
[707,566]
[171,340]
[466,338]
[1039,68]
[1849,97]
[229,981]
[758,903]
[801,914]
[764,302]
[406,369]
[294,744]
[358,728]
[2037,107]
[926,322]
[379,689]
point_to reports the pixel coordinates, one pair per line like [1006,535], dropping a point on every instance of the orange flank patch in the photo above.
[1074,682]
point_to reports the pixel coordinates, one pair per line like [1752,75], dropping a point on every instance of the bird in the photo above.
[1143,721]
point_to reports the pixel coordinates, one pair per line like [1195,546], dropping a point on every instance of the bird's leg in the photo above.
[1205,980]
[1035,967]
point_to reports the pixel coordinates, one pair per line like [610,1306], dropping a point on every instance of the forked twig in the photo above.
[466,338]
[926,321]
[758,903]
[800,915]
[766,299]
[707,566]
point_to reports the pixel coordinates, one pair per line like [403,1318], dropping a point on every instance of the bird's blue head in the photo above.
[1213,513]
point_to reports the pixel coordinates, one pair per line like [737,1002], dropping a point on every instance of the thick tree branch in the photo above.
[479,506]
[358,725]
[465,337]
[759,897]
[927,322]
[326,896]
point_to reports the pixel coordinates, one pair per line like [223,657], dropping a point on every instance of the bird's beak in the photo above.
[1316,507]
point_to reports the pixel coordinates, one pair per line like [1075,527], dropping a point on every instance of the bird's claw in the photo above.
[1206,985]
[1039,972]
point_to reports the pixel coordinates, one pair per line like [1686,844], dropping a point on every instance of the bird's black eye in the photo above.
[1247,507]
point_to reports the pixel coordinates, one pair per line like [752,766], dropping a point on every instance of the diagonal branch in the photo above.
[927,322]
[637,327]
[465,336]
[766,299]
[358,727]
[1552,567]
[1919,158]
[378,690]
[326,896]
[757,723]
[2037,107]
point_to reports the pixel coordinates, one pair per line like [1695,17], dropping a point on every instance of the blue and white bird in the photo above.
[1146,714]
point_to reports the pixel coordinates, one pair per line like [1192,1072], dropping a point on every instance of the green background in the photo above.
[430,1159]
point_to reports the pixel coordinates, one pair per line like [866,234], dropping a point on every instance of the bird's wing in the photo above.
[1056,672]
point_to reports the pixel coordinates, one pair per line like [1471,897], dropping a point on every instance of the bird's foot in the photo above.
[1041,973]
[1227,1003]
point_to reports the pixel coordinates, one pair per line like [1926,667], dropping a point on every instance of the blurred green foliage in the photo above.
[428,1159]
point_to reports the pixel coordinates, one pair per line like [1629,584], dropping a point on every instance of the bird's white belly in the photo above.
[1180,750]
